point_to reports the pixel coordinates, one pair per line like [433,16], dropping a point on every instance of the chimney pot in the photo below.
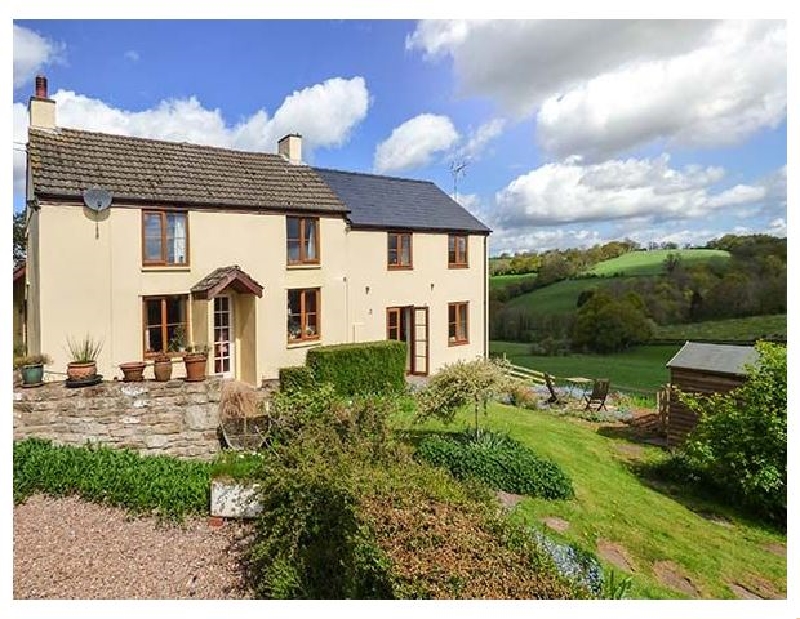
[41,87]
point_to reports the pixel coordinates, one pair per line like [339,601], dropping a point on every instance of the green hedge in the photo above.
[165,486]
[297,378]
[360,369]
[500,462]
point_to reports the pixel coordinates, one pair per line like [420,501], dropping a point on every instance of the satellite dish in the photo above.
[97,199]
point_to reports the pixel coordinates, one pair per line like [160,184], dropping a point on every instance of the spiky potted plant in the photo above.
[31,368]
[84,353]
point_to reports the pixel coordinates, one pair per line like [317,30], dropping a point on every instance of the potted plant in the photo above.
[84,354]
[195,362]
[162,367]
[31,368]
[133,371]
[177,343]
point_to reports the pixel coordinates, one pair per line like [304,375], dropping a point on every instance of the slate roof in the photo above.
[219,279]
[389,202]
[64,162]
[714,358]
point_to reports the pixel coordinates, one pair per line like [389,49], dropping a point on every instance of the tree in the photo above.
[19,238]
[607,324]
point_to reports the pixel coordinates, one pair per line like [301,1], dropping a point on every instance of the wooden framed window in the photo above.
[302,240]
[164,324]
[399,251]
[303,315]
[165,238]
[457,251]
[457,327]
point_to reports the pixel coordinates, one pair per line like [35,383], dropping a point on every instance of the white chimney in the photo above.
[41,109]
[291,147]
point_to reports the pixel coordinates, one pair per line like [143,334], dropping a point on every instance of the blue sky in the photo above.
[575,132]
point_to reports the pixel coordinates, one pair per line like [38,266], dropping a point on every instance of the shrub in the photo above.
[23,360]
[168,487]
[361,368]
[574,563]
[524,397]
[295,378]
[607,324]
[739,444]
[84,350]
[498,461]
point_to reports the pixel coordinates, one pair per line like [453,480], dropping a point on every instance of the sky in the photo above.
[573,132]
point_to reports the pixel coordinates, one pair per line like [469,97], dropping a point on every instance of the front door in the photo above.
[224,360]
[410,325]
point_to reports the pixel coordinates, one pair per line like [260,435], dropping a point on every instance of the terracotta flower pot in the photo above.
[162,368]
[133,371]
[195,366]
[78,370]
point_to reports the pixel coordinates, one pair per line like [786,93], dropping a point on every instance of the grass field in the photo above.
[651,262]
[500,281]
[641,368]
[614,506]
[749,328]
[555,298]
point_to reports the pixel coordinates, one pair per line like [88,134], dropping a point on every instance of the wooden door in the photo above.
[420,356]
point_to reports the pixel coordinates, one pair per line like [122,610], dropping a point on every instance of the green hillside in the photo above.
[555,298]
[750,328]
[652,262]
[500,281]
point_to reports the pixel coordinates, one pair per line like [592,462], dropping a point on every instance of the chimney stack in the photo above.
[291,147]
[41,109]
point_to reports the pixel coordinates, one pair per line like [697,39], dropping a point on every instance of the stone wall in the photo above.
[175,418]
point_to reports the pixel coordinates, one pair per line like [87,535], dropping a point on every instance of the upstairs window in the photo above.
[302,240]
[457,251]
[457,332]
[165,238]
[399,250]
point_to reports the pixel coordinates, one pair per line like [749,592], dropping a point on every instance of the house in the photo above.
[706,369]
[18,306]
[256,256]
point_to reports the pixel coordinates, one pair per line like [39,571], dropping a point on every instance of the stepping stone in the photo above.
[557,524]
[669,574]
[508,499]
[776,548]
[615,554]
[743,593]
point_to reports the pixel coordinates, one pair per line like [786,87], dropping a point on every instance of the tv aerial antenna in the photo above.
[96,200]
[458,168]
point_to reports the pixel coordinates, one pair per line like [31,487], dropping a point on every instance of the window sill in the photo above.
[157,269]
[458,343]
[400,268]
[303,267]
[303,344]
[457,266]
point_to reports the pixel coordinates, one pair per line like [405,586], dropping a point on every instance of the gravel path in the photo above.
[70,549]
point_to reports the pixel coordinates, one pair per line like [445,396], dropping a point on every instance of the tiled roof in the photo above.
[714,358]
[219,279]
[389,202]
[65,162]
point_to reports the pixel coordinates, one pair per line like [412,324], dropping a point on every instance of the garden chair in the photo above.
[553,399]
[598,395]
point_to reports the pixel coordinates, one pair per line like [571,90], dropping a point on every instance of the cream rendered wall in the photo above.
[431,283]
[89,284]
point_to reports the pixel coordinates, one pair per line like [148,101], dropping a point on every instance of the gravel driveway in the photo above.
[70,549]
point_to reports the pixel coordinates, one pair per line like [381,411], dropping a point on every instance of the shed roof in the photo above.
[402,203]
[64,162]
[719,358]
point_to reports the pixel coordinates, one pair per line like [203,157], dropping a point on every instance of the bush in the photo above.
[606,324]
[739,444]
[524,397]
[168,487]
[498,461]
[361,368]
[295,378]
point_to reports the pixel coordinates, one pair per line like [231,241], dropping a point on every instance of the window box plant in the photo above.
[84,354]
[195,362]
[31,368]
[133,371]
[162,368]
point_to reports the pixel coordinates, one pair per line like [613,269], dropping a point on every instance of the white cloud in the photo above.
[132,55]
[571,191]
[31,53]
[606,86]
[325,114]
[777,227]
[513,241]
[480,138]
[414,143]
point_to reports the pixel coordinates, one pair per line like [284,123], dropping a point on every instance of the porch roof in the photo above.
[223,277]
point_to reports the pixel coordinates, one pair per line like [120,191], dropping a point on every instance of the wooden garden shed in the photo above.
[703,368]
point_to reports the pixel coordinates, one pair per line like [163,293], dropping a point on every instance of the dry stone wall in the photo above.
[174,418]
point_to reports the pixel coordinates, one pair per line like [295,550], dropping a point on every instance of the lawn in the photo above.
[750,328]
[652,262]
[501,281]
[556,298]
[613,506]
[643,367]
